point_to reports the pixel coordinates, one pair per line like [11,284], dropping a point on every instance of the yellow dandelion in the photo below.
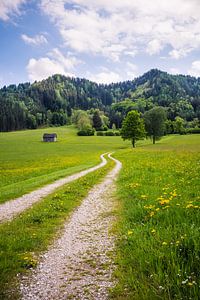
[163,202]
[149,206]
[189,206]
[130,232]
[190,283]
[152,213]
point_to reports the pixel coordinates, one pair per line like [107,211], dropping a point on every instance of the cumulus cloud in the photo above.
[154,47]
[37,40]
[54,63]
[9,7]
[121,27]
[195,69]
[105,77]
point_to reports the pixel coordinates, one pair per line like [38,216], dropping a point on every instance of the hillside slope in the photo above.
[51,101]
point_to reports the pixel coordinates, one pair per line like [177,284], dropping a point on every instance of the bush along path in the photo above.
[78,265]
[14,207]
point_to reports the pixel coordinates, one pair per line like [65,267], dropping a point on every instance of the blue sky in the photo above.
[104,41]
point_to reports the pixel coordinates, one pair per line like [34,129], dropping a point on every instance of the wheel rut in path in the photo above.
[12,208]
[78,265]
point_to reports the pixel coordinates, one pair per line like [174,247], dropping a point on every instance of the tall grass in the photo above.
[158,252]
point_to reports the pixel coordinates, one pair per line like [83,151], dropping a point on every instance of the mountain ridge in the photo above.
[52,100]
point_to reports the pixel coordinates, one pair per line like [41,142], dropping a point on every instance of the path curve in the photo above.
[12,208]
[78,264]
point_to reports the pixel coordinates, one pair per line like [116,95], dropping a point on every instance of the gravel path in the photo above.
[12,208]
[78,264]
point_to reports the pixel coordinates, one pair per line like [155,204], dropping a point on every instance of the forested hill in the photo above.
[52,100]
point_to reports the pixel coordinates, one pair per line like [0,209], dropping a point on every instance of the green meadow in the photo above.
[27,163]
[158,251]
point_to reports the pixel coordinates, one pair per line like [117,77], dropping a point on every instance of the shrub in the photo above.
[100,133]
[86,132]
[193,130]
[109,133]
[117,133]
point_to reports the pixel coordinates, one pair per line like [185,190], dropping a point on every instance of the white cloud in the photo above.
[54,63]
[9,7]
[105,77]
[154,47]
[174,71]
[37,40]
[195,69]
[180,53]
[120,27]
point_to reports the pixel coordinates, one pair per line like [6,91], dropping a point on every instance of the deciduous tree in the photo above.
[133,127]
[155,123]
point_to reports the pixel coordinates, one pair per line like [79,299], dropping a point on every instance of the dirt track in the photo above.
[78,264]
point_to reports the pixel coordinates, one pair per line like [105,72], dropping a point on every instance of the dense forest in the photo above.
[53,101]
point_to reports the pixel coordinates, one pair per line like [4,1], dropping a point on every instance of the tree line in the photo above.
[54,101]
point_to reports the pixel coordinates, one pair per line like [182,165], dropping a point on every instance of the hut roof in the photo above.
[49,135]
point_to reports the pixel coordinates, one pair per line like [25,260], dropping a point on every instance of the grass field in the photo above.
[27,163]
[158,252]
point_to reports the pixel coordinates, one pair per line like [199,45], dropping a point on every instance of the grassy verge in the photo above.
[158,252]
[25,237]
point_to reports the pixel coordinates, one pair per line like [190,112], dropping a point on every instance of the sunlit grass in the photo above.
[27,163]
[159,195]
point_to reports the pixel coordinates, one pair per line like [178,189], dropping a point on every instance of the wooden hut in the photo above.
[49,137]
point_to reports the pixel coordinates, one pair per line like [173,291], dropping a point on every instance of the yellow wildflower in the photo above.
[153,231]
[190,283]
[152,213]
[164,243]
[190,206]
[162,202]
[130,232]
[149,206]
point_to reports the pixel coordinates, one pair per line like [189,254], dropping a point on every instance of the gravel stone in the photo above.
[78,265]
